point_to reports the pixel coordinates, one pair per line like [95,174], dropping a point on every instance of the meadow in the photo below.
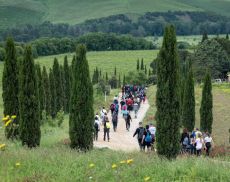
[77,11]
[55,161]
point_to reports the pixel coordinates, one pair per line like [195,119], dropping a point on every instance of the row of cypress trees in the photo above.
[175,98]
[27,90]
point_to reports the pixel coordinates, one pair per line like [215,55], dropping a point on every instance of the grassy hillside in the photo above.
[75,11]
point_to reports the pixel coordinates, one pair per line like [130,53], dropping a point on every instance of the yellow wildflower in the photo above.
[147,178]
[91,165]
[13,117]
[114,166]
[130,161]
[8,116]
[7,123]
[5,119]
[122,162]
[2,146]
[17,164]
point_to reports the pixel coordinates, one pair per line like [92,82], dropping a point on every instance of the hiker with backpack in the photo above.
[140,132]
[127,121]
[185,141]
[106,128]
[112,108]
[115,121]
[199,144]
[152,130]
[96,128]
[147,138]
[208,143]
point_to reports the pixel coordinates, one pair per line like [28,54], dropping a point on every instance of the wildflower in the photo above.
[17,164]
[13,117]
[114,166]
[147,178]
[130,161]
[91,165]
[122,162]
[2,146]
[7,123]
[5,119]
[8,116]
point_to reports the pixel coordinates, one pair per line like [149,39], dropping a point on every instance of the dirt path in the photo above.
[123,139]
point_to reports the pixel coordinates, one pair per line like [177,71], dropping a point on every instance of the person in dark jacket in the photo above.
[139,132]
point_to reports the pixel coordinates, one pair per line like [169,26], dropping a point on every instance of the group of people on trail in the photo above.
[145,136]
[196,141]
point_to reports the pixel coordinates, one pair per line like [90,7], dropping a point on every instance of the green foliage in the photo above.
[113,82]
[29,125]
[102,87]
[138,65]
[63,83]
[81,108]
[67,75]
[138,78]
[46,91]
[211,55]
[58,85]
[206,117]
[167,97]
[10,84]
[204,37]
[115,71]
[96,76]
[188,107]
[53,93]
[40,88]
[227,37]
[2,54]
[142,64]
[60,118]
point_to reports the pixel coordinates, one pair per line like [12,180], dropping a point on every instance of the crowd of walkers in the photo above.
[196,141]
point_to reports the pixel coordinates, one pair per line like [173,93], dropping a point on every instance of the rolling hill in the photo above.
[16,13]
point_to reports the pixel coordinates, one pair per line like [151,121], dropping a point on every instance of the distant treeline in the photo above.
[93,42]
[149,24]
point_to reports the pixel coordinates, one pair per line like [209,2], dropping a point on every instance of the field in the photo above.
[124,61]
[13,13]
[55,161]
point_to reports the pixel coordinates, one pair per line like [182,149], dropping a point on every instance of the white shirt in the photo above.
[207,139]
[199,143]
[152,130]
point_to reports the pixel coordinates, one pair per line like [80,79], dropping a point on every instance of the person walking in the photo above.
[147,139]
[208,143]
[115,121]
[135,108]
[128,119]
[140,132]
[185,140]
[152,130]
[106,129]
[199,144]
[96,128]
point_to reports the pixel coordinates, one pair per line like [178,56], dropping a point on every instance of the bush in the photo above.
[60,117]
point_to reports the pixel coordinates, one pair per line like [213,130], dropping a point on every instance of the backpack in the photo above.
[148,137]
[117,108]
[186,141]
[141,133]
[107,125]
[112,107]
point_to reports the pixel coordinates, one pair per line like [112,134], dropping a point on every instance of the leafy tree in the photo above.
[136,78]
[53,93]
[58,85]
[142,64]
[81,108]
[188,107]
[210,54]
[10,85]
[46,91]
[29,126]
[167,97]
[40,88]
[67,75]
[138,65]
[206,117]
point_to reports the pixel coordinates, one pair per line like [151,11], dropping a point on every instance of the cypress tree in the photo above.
[81,108]
[100,73]
[124,81]
[67,74]
[145,70]
[46,91]
[10,86]
[138,65]
[63,85]
[106,77]
[204,37]
[94,77]
[206,117]
[40,88]
[119,81]
[53,93]
[58,85]
[142,64]
[227,37]
[29,126]
[97,75]
[167,97]
[150,72]
[188,107]
[115,71]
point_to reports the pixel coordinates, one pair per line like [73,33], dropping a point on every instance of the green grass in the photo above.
[125,61]
[76,11]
